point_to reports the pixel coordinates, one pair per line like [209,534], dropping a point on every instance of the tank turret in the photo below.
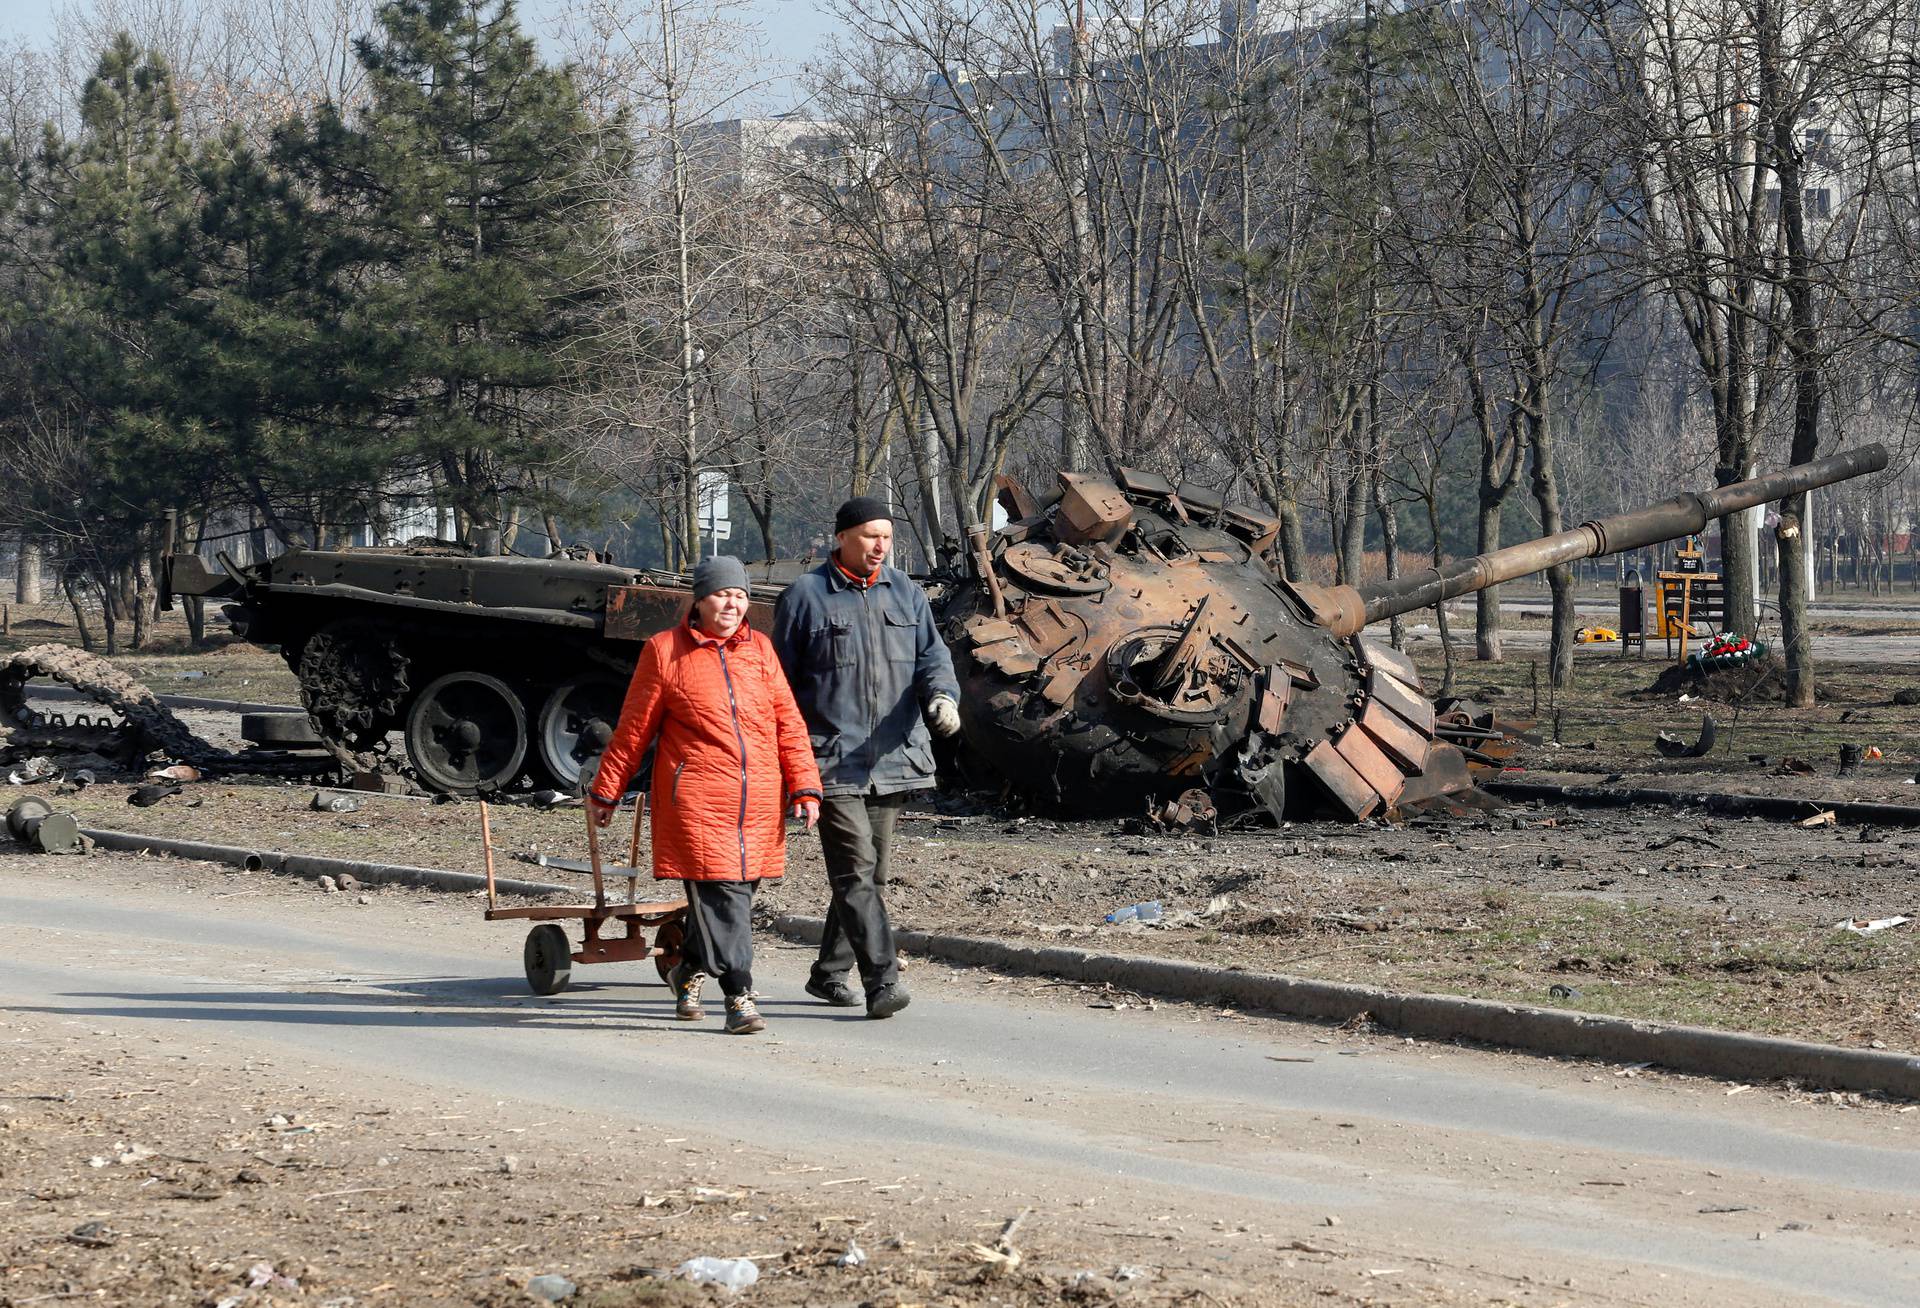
[1125,640]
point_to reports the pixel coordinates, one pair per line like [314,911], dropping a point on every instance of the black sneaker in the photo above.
[833,991]
[888,1000]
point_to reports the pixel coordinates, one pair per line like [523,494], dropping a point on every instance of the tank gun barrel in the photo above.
[1346,609]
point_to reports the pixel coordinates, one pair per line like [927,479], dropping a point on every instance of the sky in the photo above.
[793,31]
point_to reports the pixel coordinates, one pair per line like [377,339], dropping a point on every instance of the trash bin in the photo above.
[1633,617]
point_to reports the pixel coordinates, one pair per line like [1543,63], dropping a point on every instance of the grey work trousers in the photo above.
[856,836]
[720,932]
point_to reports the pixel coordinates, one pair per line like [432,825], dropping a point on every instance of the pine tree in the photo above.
[104,219]
[276,364]
[472,181]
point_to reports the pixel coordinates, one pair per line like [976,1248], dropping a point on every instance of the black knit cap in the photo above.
[859,510]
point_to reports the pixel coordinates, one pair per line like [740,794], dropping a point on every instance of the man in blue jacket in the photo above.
[870,671]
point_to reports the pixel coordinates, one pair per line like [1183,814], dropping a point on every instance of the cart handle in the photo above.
[486,843]
[633,849]
[593,859]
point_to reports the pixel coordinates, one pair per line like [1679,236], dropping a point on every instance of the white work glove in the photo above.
[943,715]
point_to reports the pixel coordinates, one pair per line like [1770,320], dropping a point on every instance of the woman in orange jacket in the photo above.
[733,758]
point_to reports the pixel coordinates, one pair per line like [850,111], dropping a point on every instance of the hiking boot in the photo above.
[888,1000]
[685,984]
[742,1017]
[832,991]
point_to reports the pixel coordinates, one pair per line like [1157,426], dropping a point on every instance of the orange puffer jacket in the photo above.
[733,754]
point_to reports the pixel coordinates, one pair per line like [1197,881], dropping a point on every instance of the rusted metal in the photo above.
[486,844]
[1672,746]
[664,918]
[633,849]
[983,560]
[1133,641]
[1683,515]
[593,859]
[1191,810]
[1342,780]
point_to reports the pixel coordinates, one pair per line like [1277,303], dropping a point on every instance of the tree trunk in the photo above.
[1737,559]
[1383,509]
[26,586]
[1432,500]
[926,466]
[1351,545]
[1546,495]
[1486,603]
[109,618]
[79,614]
[145,597]
[1803,342]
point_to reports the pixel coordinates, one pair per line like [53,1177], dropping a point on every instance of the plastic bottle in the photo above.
[731,1274]
[1147,912]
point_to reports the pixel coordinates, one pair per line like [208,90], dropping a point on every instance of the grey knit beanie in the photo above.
[721,572]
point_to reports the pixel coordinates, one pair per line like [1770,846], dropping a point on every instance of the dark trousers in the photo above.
[856,835]
[720,932]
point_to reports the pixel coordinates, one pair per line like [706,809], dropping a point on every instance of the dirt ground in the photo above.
[145,1165]
[136,1176]
[133,1174]
[1647,913]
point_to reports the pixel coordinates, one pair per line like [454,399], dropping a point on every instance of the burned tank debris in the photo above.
[1121,642]
[1125,640]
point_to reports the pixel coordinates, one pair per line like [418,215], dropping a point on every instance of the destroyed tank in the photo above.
[491,669]
[1121,643]
[1125,643]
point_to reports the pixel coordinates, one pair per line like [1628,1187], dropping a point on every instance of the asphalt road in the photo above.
[1613,1188]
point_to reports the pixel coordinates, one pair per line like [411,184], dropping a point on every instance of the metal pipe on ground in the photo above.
[1777,808]
[313,866]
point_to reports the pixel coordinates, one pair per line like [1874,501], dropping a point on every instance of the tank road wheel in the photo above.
[574,726]
[467,734]
[549,959]
[670,939]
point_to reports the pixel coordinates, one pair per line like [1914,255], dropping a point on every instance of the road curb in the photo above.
[1726,1054]
[312,866]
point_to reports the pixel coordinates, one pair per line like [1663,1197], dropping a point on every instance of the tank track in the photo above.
[353,680]
[149,726]
[152,724]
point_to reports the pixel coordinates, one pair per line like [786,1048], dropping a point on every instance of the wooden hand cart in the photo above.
[549,956]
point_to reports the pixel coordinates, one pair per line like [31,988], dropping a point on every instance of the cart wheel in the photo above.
[549,959]
[669,940]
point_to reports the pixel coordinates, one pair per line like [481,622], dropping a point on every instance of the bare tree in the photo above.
[1500,219]
[956,308]
[1761,134]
